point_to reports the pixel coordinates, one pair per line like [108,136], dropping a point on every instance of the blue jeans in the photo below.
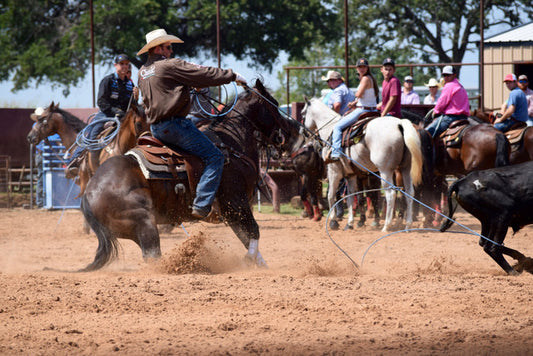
[91,132]
[181,133]
[505,125]
[445,122]
[344,122]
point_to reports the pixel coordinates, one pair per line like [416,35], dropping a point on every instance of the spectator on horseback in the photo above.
[165,84]
[434,95]
[409,96]
[114,94]
[341,96]
[523,83]
[391,90]
[452,104]
[365,101]
[515,108]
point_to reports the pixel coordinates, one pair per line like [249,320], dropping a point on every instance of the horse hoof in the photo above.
[375,224]
[334,225]
[257,261]
[360,224]
[348,227]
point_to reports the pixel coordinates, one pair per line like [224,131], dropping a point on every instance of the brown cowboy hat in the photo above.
[157,37]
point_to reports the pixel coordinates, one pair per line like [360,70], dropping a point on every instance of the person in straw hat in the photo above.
[341,95]
[434,94]
[165,84]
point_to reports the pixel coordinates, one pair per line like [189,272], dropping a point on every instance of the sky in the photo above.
[81,96]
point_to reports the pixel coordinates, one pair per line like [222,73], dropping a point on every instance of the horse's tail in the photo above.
[412,141]
[447,222]
[107,244]
[502,150]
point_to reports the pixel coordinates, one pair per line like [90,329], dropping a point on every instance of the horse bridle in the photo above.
[276,138]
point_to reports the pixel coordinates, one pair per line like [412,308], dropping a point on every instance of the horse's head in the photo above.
[45,124]
[263,109]
[136,119]
[307,116]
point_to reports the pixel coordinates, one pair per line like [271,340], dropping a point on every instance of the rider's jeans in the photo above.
[181,133]
[344,122]
[505,125]
[91,132]
[445,121]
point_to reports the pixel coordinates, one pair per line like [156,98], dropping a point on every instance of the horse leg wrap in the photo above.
[317,213]
[308,210]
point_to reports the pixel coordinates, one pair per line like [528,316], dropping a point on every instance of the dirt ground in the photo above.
[416,293]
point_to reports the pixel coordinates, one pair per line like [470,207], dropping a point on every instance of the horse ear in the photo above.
[56,107]
[51,107]
[259,85]
[306,99]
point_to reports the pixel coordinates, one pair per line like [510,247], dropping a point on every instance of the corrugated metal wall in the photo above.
[15,124]
[495,92]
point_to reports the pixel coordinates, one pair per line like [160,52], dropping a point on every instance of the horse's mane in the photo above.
[70,119]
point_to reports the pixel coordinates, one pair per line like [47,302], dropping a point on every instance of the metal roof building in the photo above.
[508,52]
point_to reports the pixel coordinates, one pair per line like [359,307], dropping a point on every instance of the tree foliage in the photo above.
[416,31]
[49,41]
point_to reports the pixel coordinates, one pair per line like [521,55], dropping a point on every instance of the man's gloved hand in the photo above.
[240,79]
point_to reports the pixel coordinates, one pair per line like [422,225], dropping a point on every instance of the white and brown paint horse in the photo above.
[388,144]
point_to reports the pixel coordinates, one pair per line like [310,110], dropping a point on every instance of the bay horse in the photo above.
[482,147]
[119,202]
[388,144]
[305,153]
[521,140]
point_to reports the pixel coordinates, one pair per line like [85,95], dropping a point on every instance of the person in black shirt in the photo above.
[114,95]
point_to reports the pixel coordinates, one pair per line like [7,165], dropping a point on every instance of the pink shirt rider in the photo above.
[453,100]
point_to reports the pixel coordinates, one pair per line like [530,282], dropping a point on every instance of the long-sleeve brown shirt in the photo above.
[166,83]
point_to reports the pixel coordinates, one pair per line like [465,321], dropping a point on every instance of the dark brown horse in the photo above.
[120,202]
[305,154]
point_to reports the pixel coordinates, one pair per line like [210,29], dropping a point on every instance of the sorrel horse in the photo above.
[130,207]
[132,125]
[56,121]
[388,144]
[307,161]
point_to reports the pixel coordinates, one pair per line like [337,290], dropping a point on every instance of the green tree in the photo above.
[49,41]
[417,31]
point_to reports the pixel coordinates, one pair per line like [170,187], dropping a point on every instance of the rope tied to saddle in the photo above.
[97,144]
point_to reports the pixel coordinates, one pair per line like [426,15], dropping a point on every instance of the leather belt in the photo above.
[368,107]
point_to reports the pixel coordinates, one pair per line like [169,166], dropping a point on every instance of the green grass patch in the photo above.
[284,209]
